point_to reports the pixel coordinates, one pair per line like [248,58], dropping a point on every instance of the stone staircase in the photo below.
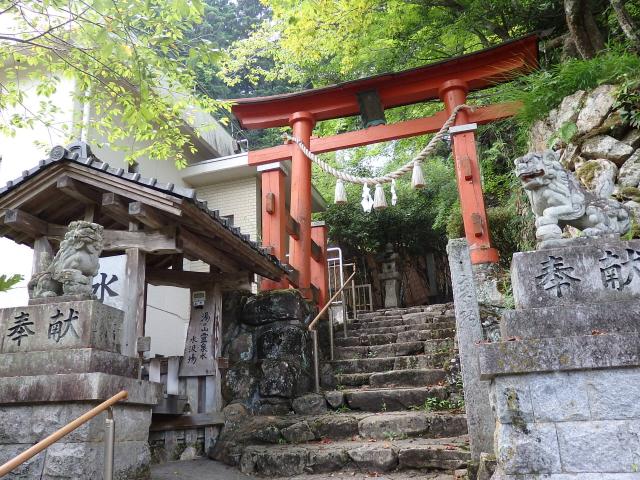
[395,405]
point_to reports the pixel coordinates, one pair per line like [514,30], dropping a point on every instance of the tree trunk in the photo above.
[626,23]
[582,28]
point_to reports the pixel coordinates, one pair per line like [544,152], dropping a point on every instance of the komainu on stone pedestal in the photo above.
[557,199]
[72,270]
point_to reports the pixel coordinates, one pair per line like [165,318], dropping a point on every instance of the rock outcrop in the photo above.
[602,151]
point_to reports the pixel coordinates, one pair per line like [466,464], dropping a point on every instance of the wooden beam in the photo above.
[293,275]
[293,227]
[182,279]
[77,190]
[115,207]
[147,216]
[199,248]
[26,223]
[316,251]
[153,242]
[134,301]
[383,133]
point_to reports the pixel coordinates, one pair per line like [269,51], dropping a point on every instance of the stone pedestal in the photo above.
[390,278]
[565,381]
[57,361]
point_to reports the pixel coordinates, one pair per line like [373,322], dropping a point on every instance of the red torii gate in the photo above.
[450,81]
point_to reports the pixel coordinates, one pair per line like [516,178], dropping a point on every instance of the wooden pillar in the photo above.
[274,217]
[476,228]
[302,124]
[319,267]
[42,255]
[134,301]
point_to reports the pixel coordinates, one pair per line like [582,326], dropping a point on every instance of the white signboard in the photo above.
[109,284]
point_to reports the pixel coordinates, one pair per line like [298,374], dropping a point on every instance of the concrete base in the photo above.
[80,455]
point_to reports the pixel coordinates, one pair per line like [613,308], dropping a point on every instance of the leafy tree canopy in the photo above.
[132,59]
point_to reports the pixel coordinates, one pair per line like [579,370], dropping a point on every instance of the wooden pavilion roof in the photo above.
[166,221]
[480,70]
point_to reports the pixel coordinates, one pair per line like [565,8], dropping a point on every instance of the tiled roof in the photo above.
[80,153]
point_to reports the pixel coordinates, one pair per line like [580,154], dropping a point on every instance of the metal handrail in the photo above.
[328,304]
[314,332]
[70,427]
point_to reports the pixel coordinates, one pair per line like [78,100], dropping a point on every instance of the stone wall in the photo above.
[58,360]
[565,378]
[598,146]
[266,340]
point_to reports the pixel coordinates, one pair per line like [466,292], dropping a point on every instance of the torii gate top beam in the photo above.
[479,70]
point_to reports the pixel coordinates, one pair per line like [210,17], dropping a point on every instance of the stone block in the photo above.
[529,450]
[276,305]
[580,319]
[81,461]
[84,461]
[599,446]
[373,458]
[614,393]
[511,400]
[298,433]
[310,404]
[82,360]
[56,326]
[240,381]
[603,270]
[241,348]
[335,398]
[559,397]
[282,378]
[559,354]
[32,423]
[281,342]
[76,387]
[606,147]
[597,106]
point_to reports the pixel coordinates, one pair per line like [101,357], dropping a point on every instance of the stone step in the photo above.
[417,335]
[352,379]
[363,365]
[392,399]
[394,378]
[388,350]
[376,339]
[401,337]
[415,319]
[401,328]
[407,378]
[352,425]
[445,454]
[426,361]
[439,345]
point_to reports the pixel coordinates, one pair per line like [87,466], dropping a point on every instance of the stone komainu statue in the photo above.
[558,199]
[72,269]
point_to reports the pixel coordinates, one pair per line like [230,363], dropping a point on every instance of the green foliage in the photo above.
[434,404]
[542,91]
[628,100]
[6,282]
[129,58]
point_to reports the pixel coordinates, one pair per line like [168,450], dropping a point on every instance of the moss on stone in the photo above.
[631,193]
[587,172]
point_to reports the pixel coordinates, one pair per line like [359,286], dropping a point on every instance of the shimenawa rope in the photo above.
[379,202]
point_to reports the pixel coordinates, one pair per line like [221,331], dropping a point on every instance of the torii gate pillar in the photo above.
[476,228]
[302,124]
